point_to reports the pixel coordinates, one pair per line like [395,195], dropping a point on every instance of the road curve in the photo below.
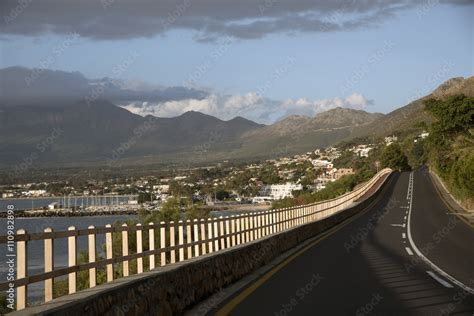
[372,266]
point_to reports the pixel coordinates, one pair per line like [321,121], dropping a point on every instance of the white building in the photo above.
[390,140]
[35,192]
[54,206]
[280,191]
[424,134]
[364,152]
[322,163]
[161,188]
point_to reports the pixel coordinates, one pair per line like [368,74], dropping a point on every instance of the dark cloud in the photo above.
[210,19]
[19,85]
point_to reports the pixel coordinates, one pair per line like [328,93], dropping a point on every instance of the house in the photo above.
[338,173]
[322,163]
[423,135]
[390,140]
[280,191]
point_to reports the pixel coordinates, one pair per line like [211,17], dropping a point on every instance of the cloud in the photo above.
[251,106]
[210,19]
[19,83]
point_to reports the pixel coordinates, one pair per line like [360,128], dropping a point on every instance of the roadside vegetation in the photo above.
[449,149]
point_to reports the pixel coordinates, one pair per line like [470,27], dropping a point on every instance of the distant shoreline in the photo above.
[50,213]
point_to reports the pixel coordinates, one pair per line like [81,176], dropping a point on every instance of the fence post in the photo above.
[243,229]
[21,270]
[274,222]
[216,234]
[279,218]
[151,243]
[48,265]
[237,229]
[139,248]
[227,231]
[259,225]
[125,265]
[294,214]
[203,236]
[232,229]
[251,222]
[91,245]
[189,238]
[72,259]
[209,234]
[264,224]
[222,231]
[283,219]
[162,243]
[267,223]
[109,252]
[289,218]
[196,237]
[247,228]
[181,240]
[172,243]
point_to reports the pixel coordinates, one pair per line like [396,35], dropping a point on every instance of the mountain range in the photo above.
[43,127]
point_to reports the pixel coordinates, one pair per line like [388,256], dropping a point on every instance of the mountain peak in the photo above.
[243,120]
[457,85]
[341,110]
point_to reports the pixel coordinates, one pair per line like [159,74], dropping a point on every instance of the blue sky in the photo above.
[402,57]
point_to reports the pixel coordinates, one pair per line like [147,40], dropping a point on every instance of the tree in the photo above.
[449,148]
[221,195]
[454,115]
[169,211]
[393,157]
[269,175]
[196,211]
[144,197]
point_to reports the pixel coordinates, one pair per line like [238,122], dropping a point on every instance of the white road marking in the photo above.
[398,225]
[437,278]
[409,251]
[404,235]
[418,252]
[405,218]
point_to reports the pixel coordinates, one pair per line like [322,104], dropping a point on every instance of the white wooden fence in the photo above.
[178,241]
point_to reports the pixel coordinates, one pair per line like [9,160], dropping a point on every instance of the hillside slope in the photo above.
[296,134]
[407,118]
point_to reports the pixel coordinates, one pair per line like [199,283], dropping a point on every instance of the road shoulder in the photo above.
[453,205]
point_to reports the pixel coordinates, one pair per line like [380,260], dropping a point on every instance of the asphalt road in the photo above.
[372,265]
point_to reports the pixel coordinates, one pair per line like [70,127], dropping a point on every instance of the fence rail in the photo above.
[161,243]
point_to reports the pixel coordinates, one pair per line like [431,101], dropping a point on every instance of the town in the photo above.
[218,185]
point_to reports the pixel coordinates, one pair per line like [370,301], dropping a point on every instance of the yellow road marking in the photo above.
[226,309]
